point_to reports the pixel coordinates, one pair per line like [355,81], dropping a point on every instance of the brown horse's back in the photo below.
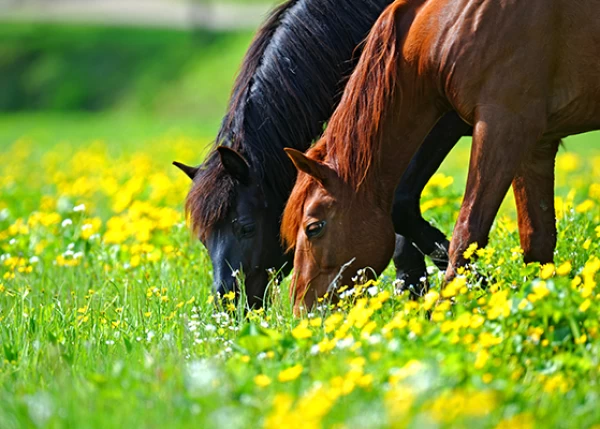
[542,54]
[576,81]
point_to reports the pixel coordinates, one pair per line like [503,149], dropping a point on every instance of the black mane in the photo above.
[288,86]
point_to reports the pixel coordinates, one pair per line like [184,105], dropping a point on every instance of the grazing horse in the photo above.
[524,73]
[289,84]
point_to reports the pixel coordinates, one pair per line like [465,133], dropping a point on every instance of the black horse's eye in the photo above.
[315,229]
[248,230]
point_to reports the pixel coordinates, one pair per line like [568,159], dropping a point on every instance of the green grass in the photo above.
[107,319]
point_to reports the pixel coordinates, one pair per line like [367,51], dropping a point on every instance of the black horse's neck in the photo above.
[291,81]
[288,86]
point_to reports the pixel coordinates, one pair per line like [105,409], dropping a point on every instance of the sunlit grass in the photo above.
[107,317]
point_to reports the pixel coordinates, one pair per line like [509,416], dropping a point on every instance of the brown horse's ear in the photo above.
[234,163]
[189,171]
[311,167]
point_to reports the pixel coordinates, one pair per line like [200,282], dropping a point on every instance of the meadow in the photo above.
[107,318]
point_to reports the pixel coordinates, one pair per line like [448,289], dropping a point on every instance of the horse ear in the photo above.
[234,163]
[313,168]
[189,171]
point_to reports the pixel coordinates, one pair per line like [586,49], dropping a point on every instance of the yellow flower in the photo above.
[316,322]
[262,380]
[327,345]
[433,203]
[540,290]
[556,383]
[302,331]
[290,374]
[229,296]
[430,299]
[332,322]
[476,321]
[411,368]
[488,340]
[470,251]
[481,358]
[547,271]
[567,162]
[453,404]
[564,269]
[585,305]
[499,305]
[520,421]
[399,400]
[454,287]
[585,206]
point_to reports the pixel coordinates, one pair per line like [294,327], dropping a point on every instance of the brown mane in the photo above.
[353,135]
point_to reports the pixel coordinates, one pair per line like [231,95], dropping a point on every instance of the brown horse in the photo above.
[524,73]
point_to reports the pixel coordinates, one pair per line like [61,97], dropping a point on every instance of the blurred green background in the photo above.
[141,69]
[119,80]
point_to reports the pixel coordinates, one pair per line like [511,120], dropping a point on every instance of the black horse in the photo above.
[289,85]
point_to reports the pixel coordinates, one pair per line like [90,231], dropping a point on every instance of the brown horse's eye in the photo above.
[315,229]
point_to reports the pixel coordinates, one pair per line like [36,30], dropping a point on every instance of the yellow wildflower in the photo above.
[547,271]
[564,269]
[290,374]
[520,421]
[481,358]
[302,331]
[585,305]
[262,380]
[470,251]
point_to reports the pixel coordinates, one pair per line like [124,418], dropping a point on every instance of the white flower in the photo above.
[34,260]
[373,290]
[201,377]
[40,408]
[79,208]
[345,343]
[66,223]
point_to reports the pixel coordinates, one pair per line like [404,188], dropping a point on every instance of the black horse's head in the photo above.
[237,220]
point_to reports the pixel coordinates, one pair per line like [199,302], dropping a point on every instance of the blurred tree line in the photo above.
[94,68]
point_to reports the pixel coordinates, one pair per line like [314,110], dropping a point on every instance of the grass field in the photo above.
[107,317]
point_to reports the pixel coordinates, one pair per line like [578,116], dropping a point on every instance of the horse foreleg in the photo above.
[407,217]
[410,267]
[501,138]
[533,187]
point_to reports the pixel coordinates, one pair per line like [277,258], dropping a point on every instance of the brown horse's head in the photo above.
[335,230]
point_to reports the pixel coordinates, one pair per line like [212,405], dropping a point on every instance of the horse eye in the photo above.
[248,230]
[315,229]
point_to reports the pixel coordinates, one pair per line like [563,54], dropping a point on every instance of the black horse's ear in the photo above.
[189,171]
[234,164]
[315,169]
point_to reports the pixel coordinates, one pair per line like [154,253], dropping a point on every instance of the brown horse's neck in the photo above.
[386,110]
[403,130]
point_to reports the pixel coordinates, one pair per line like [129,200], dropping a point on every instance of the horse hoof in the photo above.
[414,282]
[440,255]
